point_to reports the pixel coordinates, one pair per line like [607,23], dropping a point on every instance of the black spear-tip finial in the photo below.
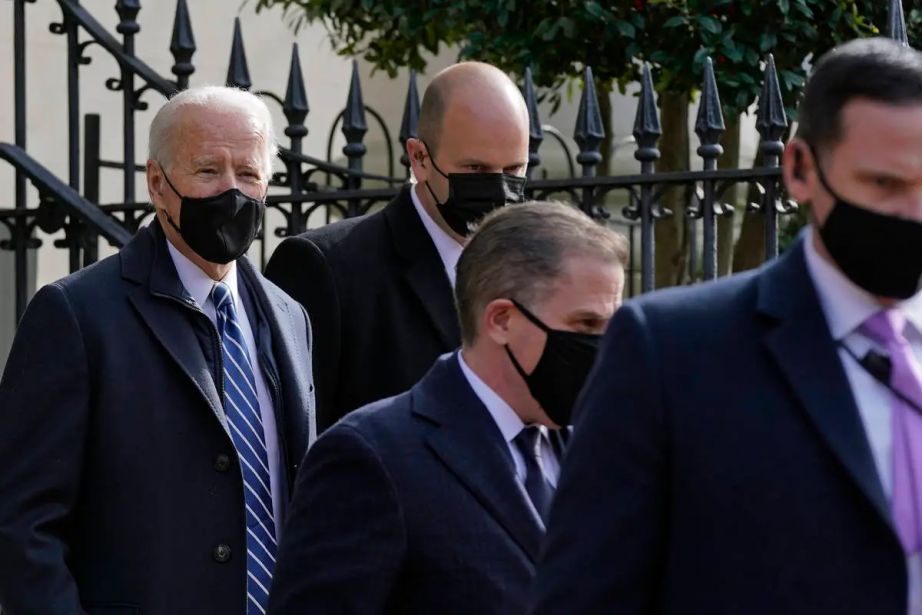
[535,133]
[647,129]
[238,73]
[771,119]
[590,130]
[409,124]
[295,105]
[182,45]
[354,125]
[709,125]
[896,23]
[128,13]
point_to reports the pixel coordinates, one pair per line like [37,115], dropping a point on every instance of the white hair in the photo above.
[219,98]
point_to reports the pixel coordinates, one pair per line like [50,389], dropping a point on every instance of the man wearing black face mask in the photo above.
[754,445]
[434,501]
[379,288]
[155,406]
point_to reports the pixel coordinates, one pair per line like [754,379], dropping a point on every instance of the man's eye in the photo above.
[474,168]
[207,171]
[887,183]
[592,325]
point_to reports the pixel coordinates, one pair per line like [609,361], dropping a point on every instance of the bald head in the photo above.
[472,89]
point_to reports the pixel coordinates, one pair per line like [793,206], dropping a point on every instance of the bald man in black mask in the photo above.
[378,288]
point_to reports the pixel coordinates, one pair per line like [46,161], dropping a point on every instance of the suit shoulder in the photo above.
[381,421]
[350,231]
[91,283]
[716,298]
[274,292]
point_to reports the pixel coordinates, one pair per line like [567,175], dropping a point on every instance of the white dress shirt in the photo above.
[846,307]
[198,284]
[510,425]
[449,250]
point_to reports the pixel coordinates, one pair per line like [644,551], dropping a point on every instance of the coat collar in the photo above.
[467,441]
[799,341]
[160,300]
[422,266]
[167,309]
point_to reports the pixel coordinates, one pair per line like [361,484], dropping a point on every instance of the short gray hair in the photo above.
[217,97]
[518,252]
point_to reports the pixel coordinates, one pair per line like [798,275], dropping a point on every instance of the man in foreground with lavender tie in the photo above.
[754,445]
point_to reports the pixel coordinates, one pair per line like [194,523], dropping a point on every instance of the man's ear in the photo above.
[155,182]
[418,156]
[799,170]
[494,321]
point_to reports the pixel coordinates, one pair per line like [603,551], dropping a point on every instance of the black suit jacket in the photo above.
[719,465]
[379,300]
[115,485]
[410,505]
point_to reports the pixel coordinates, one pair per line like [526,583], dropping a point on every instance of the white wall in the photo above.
[268,39]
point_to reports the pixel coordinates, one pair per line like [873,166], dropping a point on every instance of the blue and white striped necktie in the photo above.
[241,405]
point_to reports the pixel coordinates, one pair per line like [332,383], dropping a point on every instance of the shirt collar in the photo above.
[196,282]
[844,304]
[449,250]
[503,415]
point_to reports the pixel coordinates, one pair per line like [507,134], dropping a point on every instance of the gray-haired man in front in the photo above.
[155,405]
[435,500]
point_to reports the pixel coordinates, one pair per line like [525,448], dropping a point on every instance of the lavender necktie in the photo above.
[886,328]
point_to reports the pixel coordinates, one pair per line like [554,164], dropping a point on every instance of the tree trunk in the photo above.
[730,159]
[671,238]
[750,247]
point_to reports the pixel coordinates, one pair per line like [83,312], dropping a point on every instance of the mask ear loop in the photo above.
[169,218]
[822,176]
[535,321]
[531,317]
[169,183]
[432,158]
[438,203]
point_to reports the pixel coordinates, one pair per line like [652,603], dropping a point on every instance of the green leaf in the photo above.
[791,79]
[767,41]
[595,9]
[702,53]
[733,53]
[784,6]
[626,29]
[709,24]
[568,26]
[675,21]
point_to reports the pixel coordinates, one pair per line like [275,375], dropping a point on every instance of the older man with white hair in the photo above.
[155,406]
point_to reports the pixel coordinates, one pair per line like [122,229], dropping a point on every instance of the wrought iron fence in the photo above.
[309,184]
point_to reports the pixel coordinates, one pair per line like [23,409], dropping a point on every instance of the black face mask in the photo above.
[218,228]
[880,253]
[561,371]
[471,196]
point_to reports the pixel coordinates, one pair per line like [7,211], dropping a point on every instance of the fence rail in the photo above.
[309,184]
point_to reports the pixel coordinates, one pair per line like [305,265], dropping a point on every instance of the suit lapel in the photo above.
[806,354]
[291,360]
[469,444]
[165,307]
[423,271]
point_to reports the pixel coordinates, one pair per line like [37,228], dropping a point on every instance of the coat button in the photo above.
[222,463]
[221,553]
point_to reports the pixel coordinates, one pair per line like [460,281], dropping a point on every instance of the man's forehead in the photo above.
[882,136]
